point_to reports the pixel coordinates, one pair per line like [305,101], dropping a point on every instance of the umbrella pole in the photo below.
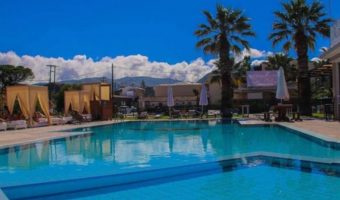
[202,112]
[169,112]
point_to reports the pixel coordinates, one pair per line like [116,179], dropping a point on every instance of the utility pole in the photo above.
[53,70]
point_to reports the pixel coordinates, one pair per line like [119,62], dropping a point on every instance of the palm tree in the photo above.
[222,35]
[297,25]
[238,72]
[283,60]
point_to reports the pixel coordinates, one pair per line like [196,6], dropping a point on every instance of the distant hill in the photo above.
[126,81]
[149,81]
[85,80]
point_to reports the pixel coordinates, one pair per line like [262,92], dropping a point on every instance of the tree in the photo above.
[11,75]
[238,74]
[297,26]
[223,36]
[283,60]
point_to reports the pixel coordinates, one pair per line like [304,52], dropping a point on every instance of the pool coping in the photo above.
[308,132]
[3,195]
[27,142]
[291,127]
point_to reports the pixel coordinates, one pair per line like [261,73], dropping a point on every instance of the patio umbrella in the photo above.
[281,88]
[203,97]
[170,100]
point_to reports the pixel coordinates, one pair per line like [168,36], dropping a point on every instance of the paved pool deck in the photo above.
[326,130]
[30,135]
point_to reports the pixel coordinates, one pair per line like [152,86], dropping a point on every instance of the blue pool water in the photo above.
[252,183]
[139,146]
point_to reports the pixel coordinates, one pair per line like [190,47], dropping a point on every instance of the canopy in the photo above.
[79,101]
[170,100]
[28,96]
[203,96]
[98,91]
[281,89]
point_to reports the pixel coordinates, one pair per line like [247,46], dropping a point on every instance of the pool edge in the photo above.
[3,195]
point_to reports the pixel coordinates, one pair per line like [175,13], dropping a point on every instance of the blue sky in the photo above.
[162,30]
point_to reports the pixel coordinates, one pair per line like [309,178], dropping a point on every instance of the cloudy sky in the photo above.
[141,38]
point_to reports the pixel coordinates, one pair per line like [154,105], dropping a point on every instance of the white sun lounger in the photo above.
[41,122]
[87,117]
[67,119]
[3,126]
[17,124]
[214,113]
[60,120]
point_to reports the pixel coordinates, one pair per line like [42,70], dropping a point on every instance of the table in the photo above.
[282,112]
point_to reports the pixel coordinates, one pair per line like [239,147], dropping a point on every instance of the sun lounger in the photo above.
[87,117]
[3,126]
[213,113]
[57,121]
[66,120]
[143,115]
[194,113]
[176,114]
[17,124]
[77,118]
[40,122]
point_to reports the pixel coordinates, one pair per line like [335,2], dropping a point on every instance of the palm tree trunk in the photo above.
[304,88]
[227,89]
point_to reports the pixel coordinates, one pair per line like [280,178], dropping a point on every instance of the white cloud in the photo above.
[258,62]
[253,53]
[316,59]
[81,66]
[134,65]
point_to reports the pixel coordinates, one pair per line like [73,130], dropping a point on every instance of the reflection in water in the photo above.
[123,147]
[26,156]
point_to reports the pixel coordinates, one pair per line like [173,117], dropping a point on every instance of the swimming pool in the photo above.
[121,154]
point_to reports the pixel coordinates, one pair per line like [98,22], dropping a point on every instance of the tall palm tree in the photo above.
[222,35]
[283,60]
[297,25]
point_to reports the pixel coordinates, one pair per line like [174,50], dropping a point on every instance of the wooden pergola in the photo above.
[322,71]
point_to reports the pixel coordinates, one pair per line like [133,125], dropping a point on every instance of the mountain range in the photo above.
[126,81]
